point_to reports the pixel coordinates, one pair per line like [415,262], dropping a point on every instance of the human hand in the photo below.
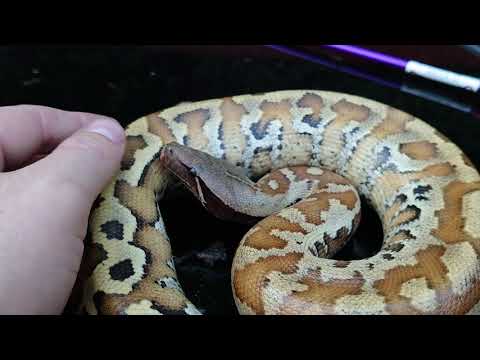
[46,201]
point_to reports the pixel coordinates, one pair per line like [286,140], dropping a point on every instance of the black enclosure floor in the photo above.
[129,82]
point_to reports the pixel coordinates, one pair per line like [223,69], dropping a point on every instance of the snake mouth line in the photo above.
[180,170]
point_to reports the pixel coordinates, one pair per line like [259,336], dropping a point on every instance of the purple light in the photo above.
[331,65]
[371,55]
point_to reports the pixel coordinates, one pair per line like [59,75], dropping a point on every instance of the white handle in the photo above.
[443,76]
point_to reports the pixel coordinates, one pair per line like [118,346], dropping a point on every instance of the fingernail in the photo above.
[109,129]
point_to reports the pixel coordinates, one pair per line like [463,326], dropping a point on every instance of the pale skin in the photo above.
[53,165]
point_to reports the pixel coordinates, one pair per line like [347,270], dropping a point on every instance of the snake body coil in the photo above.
[425,190]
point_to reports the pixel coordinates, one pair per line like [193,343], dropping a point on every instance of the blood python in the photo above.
[316,151]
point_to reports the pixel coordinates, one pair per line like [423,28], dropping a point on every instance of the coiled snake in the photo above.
[424,189]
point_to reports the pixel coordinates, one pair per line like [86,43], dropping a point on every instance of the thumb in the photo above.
[56,194]
[86,161]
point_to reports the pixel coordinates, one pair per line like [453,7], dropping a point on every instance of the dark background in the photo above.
[127,82]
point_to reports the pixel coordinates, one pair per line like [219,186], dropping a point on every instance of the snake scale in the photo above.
[423,187]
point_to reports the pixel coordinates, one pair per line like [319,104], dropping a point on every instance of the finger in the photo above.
[83,164]
[27,129]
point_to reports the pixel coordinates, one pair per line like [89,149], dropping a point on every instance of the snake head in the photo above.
[177,160]
[213,181]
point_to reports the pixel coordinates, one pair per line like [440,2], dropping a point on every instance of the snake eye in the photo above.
[193,171]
